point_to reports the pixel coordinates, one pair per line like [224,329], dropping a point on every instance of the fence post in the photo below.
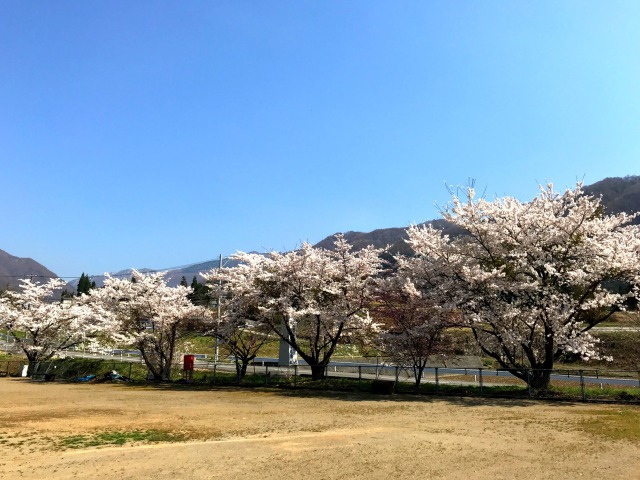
[359,374]
[529,382]
[266,374]
[582,390]
[481,383]
[295,375]
[437,381]
[130,365]
[214,373]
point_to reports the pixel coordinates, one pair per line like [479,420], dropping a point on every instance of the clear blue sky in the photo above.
[155,134]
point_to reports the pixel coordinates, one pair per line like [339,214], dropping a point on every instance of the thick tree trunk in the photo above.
[161,372]
[537,374]
[156,372]
[166,372]
[318,372]
[31,356]
[241,368]
[417,372]
[539,379]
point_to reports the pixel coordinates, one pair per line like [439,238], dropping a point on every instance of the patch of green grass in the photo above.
[622,424]
[12,357]
[120,438]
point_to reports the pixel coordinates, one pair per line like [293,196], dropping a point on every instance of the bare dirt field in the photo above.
[61,431]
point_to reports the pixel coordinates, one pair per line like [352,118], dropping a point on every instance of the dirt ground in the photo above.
[251,434]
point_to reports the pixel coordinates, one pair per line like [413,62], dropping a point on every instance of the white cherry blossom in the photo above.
[532,278]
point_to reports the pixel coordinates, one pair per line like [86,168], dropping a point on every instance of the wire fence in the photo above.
[574,385]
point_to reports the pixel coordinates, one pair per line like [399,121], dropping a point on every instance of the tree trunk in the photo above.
[417,372]
[318,372]
[539,379]
[155,367]
[241,367]
[31,356]
[157,374]
[166,372]
[537,374]
[238,369]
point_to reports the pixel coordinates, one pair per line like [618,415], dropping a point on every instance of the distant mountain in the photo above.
[383,237]
[618,195]
[173,275]
[12,269]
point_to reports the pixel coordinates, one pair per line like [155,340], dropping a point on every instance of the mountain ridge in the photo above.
[13,269]
[619,194]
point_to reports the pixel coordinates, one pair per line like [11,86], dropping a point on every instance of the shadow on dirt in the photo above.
[348,396]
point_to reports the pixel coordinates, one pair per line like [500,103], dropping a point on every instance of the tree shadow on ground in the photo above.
[353,396]
[462,401]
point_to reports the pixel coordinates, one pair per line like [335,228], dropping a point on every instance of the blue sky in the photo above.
[156,134]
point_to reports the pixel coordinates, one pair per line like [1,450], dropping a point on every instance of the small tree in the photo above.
[311,298]
[413,323]
[150,315]
[200,293]
[532,278]
[85,284]
[42,325]
[238,330]
[243,339]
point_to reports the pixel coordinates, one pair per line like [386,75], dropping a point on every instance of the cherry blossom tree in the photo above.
[532,278]
[311,298]
[42,325]
[242,338]
[414,325]
[151,315]
[237,328]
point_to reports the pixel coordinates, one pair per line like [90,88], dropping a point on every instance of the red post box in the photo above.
[188,362]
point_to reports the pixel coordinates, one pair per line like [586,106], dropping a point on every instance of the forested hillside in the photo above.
[618,194]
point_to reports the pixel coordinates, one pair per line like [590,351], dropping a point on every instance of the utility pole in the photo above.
[219,307]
